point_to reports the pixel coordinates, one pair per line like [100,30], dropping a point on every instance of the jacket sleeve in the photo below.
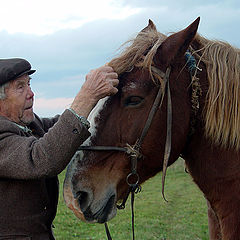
[24,157]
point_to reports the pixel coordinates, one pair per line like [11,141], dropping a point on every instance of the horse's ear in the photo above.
[176,45]
[150,26]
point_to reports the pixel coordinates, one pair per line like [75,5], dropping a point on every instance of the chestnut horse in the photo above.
[203,81]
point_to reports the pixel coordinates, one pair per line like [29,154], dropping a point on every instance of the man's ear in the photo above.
[176,45]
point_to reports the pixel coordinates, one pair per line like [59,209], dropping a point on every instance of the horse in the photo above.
[193,85]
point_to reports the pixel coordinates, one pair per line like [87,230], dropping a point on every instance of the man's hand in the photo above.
[99,83]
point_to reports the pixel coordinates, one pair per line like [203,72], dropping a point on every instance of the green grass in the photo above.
[183,217]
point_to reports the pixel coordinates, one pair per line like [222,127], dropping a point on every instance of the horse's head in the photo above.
[96,180]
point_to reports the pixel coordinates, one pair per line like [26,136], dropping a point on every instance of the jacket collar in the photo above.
[24,128]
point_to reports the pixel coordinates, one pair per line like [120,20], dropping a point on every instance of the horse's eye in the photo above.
[133,101]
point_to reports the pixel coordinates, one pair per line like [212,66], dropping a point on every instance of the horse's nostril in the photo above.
[82,198]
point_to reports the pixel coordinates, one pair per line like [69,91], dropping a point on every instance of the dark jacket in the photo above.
[29,165]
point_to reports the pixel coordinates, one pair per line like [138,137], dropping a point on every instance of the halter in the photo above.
[133,151]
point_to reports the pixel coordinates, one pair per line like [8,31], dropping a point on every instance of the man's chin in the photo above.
[28,118]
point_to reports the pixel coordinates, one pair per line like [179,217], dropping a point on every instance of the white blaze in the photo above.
[92,119]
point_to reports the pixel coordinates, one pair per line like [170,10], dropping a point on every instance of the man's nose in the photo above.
[30,92]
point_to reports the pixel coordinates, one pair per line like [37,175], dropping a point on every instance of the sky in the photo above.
[64,40]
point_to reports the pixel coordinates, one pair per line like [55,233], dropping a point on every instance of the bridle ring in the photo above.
[128,179]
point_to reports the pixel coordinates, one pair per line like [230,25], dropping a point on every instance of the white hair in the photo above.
[2,90]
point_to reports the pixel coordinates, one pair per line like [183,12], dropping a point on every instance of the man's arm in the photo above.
[47,122]
[24,157]
[30,158]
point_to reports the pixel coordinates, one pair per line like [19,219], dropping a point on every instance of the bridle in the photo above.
[134,151]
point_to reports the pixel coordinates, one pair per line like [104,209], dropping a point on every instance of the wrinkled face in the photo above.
[95,180]
[18,104]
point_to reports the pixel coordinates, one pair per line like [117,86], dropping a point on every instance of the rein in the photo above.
[134,151]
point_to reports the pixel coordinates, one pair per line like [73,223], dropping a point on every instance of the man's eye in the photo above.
[133,101]
[20,87]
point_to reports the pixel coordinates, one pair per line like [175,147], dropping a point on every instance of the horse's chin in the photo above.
[104,212]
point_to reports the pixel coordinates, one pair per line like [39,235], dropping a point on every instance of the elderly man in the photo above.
[34,151]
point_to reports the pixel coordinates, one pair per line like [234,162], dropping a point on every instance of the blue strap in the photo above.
[191,62]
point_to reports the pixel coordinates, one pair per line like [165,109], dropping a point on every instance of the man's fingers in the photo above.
[114,82]
[113,91]
[112,75]
[107,69]
[102,82]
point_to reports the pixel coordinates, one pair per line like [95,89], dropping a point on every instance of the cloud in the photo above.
[58,87]
[63,40]
[47,17]
[50,107]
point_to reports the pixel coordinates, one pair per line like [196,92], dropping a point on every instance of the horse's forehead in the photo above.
[130,86]
[138,79]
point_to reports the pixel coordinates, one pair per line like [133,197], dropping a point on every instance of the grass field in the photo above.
[183,217]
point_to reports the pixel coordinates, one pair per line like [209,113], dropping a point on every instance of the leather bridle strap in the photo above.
[156,105]
[107,231]
[157,102]
[168,143]
[104,148]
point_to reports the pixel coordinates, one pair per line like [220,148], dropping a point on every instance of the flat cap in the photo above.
[13,68]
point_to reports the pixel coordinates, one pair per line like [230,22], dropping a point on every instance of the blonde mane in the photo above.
[222,107]
[140,53]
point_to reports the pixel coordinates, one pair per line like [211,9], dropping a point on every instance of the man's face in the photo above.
[18,104]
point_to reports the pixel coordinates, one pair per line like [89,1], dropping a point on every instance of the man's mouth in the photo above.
[27,108]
